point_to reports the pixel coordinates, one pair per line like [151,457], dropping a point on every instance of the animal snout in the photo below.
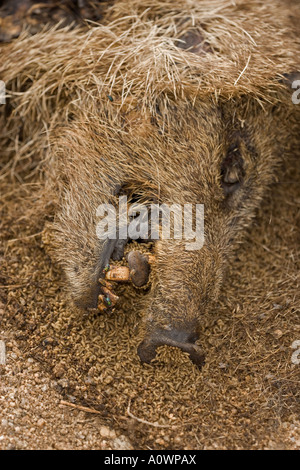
[182,338]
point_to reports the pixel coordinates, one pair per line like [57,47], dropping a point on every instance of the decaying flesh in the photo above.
[137,272]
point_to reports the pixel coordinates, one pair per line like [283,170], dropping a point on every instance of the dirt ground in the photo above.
[245,397]
[33,415]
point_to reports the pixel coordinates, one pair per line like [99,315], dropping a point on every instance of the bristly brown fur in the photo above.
[137,55]
[123,103]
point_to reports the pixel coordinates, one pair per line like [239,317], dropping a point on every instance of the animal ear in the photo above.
[232,171]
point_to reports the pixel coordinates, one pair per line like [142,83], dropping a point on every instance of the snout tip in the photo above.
[147,348]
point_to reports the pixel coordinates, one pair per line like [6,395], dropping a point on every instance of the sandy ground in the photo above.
[33,415]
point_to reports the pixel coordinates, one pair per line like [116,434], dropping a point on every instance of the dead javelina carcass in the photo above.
[188,102]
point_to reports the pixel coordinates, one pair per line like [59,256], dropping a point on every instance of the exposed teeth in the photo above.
[118,274]
[137,272]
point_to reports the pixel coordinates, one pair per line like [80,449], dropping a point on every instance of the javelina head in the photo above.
[219,154]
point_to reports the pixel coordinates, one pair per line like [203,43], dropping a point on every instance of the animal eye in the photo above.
[232,171]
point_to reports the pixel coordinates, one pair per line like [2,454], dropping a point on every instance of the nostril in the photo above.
[180,338]
[147,351]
